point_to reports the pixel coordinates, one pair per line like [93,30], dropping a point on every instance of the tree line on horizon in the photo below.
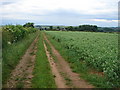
[89,28]
[73,28]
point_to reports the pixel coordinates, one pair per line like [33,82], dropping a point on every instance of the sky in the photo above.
[102,13]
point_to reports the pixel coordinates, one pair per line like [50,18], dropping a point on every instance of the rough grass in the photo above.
[43,77]
[79,67]
[13,53]
[0,57]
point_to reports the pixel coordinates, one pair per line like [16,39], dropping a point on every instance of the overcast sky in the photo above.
[60,12]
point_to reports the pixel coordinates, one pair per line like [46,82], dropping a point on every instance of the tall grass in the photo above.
[0,57]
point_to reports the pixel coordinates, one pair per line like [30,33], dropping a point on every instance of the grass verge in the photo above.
[80,67]
[43,77]
[13,53]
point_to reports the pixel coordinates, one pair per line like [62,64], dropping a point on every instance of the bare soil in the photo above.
[22,75]
[96,73]
[63,67]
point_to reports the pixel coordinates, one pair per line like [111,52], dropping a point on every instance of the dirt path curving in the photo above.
[64,67]
[21,76]
[59,80]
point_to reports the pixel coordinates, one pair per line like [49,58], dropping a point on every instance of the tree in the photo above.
[91,28]
[58,27]
[70,28]
[75,28]
[108,30]
[29,25]
[51,27]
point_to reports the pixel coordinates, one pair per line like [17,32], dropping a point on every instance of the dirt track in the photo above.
[21,76]
[59,80]
[63,67]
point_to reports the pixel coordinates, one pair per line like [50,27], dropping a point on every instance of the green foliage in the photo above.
[51,27]
[91,28]
[29,25]
[70,28]
[97,50]
[105,29]
[88,28]
[58,27]
[12,34]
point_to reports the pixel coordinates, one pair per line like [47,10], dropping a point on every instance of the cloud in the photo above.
[104,20]
[60,11]
[6,3]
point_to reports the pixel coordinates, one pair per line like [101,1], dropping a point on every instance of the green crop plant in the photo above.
[97,50]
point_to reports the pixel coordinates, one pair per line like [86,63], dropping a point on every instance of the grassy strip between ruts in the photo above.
[80,67]
[43,77]
[13,53]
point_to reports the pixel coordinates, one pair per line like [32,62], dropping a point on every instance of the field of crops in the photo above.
[97,50]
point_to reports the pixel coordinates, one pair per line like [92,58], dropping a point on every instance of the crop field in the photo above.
[58,59]
[96,50]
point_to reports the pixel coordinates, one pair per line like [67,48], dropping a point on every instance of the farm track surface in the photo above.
[73,80]
[59,80]
[22,75]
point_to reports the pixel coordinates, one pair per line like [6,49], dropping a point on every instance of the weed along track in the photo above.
[22,75]
[72,79]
